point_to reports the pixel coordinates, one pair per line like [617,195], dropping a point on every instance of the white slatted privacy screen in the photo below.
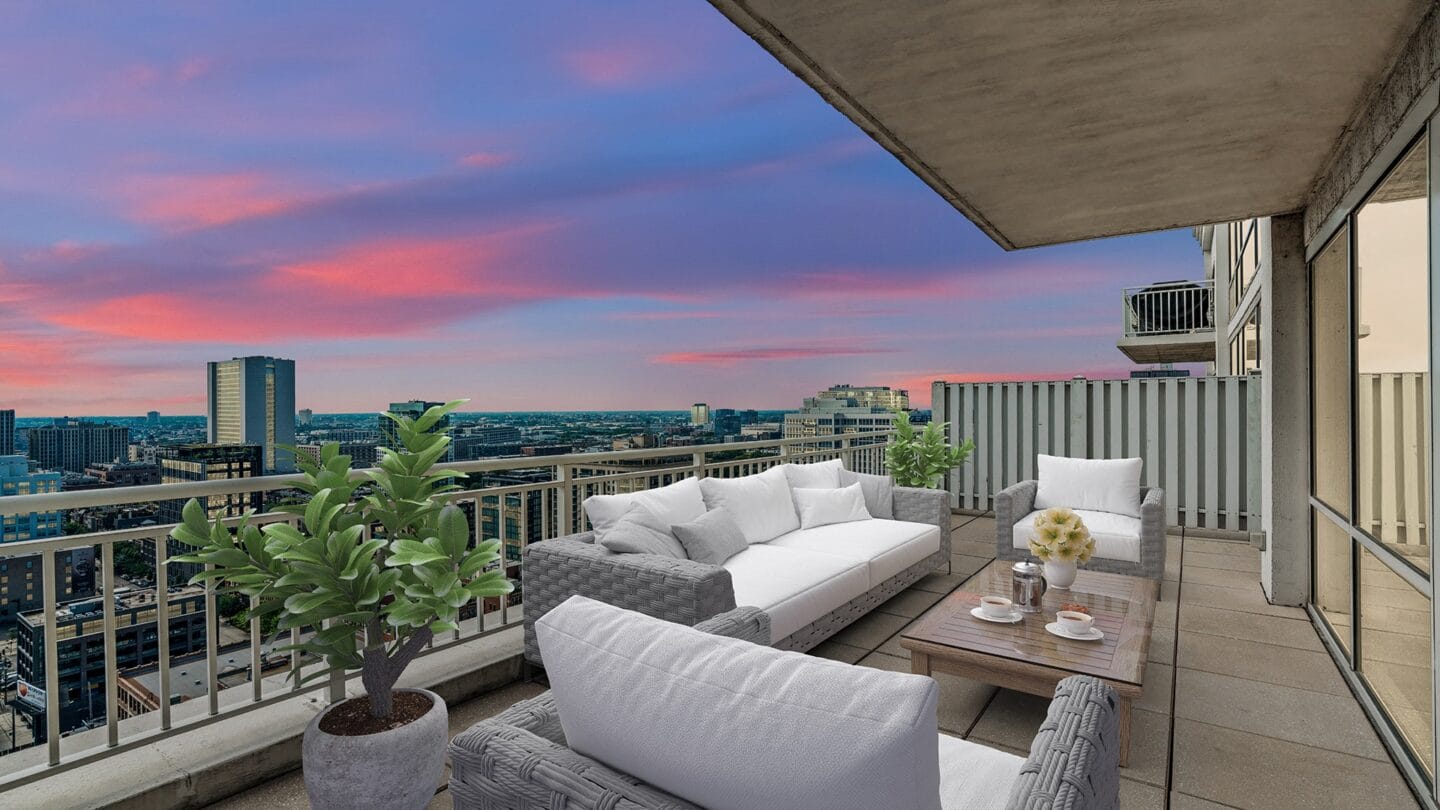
[1199,437]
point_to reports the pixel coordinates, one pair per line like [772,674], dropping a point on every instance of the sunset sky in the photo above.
[543,205]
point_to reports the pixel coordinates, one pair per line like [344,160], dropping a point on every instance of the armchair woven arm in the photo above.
[1152,533]
[1011,504]
[745,623]
[509,763]
[681,591]
[930,506]
[1074,761]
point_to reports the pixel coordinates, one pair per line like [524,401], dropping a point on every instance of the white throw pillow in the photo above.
[760,504]
[879,492]
[679,502]
[1103,485]
[638,531]
[816,475]
[731,725]
[821,507]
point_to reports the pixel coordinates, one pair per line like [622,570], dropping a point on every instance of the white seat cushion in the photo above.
[731,725]
[975,777]
[887,547]
[1117,537]
[1103,485]
[794,586]
[760,504]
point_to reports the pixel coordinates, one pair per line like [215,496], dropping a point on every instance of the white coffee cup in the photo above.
[997,607]
[1074,622]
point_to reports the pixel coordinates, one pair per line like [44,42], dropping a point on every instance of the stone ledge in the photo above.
[196,767]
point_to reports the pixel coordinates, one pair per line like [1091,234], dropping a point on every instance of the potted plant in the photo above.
[369,578]
[922,459]
[1062,543]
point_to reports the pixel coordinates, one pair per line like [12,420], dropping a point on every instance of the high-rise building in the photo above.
[21,577]
[304,417]
[414,409]
[725,422]
[749,416]
[7,432]
[843,409]
[205,462]
[152,418]
[699,414]
[865,396]
[252,401]
[72,445]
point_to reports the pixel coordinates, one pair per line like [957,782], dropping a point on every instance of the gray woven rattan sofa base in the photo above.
[519,760]
[1018,500]
[689,592]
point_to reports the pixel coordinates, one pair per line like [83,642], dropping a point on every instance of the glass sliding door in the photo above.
[1370,343]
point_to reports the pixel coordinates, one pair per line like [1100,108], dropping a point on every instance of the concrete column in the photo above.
[1285,412]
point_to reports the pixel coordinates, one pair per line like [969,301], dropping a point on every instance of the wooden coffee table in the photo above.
[1024,656]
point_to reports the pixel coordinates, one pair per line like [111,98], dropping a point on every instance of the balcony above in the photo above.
[1169,322]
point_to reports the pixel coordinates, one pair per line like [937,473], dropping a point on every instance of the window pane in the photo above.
[1330,342]
[1395,653]
[1392,356]
[1332,575]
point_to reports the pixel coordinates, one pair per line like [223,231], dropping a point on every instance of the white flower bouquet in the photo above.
[1061,536]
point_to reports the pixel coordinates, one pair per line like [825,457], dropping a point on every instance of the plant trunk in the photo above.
[380,671]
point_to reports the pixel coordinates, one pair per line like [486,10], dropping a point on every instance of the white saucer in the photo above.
[1095,633]
[1015,616]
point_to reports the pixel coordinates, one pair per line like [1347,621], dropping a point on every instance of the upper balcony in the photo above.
[1169,322]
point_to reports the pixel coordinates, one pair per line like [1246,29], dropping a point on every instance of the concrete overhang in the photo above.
[1047,122]
[1191,347]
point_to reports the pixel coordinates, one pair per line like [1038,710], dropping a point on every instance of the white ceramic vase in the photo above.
[1060,574]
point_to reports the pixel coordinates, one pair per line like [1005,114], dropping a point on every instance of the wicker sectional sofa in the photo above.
[726,724]
[812,582]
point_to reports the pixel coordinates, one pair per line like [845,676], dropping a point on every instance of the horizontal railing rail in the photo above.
[516,513]
[1169,308]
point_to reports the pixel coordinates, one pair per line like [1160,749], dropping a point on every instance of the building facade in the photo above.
[845,409]
[205,462]
[699,414]
[22,578]
[7,432]
[80,644]
[252,401]
[125,473]
[71,445]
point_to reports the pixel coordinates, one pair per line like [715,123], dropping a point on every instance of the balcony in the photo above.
[1243,706]
[1169,322]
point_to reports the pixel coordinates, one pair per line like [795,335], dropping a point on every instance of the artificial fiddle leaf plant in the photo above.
[385,593]
[922,459]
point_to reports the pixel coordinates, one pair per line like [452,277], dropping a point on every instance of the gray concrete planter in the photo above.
[397,769]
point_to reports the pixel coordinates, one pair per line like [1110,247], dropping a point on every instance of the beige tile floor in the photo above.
[1242,706]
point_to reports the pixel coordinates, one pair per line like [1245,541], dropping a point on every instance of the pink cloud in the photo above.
[731,357]
[624,65]
[202,200]
[486,160]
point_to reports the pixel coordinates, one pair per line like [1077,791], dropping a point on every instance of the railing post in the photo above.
[847,453]
[697,462]
[112,697]
[565,518]
[52,659]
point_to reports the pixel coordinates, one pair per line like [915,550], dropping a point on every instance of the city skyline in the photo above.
[374,204]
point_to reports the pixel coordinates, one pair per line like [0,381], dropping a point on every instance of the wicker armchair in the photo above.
[518,760]
[1018,500]
[687,592]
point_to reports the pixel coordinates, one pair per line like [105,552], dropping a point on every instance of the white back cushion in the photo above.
[821,507]
[1103,485]
[728,724]
[680,502]
[761,504]
[816,475]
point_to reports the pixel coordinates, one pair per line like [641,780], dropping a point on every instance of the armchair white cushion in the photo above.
[1100,485]
[725,723]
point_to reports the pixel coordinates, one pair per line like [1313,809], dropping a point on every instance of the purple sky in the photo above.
[539,205]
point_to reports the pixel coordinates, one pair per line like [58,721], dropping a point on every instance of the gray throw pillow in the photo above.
[712,538]
[879,492]
[638,531]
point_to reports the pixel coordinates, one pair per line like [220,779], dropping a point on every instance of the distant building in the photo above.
[152,418]
[546,449]
[79,482]
[252,401]
[125,473]
[760,431]
[7,432]
[493,434]
[74,444]
[304,417]
[205,462]
[79,628]
[699,414]
[20,577]
[144,453]
[749,416]
[725,422]
[361,455]
[414,409]
[843,409]
[639,441]
[515,518]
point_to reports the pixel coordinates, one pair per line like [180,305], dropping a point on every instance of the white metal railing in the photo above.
[554,501]
[1169,308]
